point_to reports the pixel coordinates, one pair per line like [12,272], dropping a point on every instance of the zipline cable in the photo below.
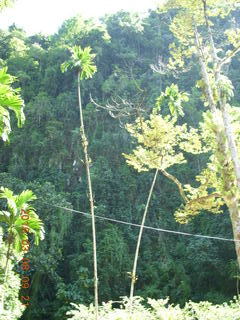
[145,227]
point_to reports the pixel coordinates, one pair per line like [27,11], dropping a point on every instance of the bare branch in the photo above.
[177,182]
[120,108]
[228,57]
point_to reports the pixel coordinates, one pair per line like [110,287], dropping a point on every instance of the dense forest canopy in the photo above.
[46,156]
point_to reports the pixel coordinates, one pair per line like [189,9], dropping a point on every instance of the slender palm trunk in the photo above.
[133,276]
[5,275]
[91,200]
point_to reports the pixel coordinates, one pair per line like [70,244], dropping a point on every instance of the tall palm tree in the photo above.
[16,225]
[82,61]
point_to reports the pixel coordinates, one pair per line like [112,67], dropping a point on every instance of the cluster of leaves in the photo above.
[9,99]
[174,99]
[5,3]
[12,218]
[161,141]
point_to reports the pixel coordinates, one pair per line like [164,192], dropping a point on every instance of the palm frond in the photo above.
[82,60]
[25,197]
[10,99]
[7,194]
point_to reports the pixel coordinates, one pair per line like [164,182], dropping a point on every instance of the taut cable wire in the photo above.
[145,227]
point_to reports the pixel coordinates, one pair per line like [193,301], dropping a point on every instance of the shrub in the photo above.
[158,310]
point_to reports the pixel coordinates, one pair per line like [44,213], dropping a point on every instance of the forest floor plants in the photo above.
[161,309]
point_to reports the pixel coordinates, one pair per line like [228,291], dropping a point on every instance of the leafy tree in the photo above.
[160,146]
[77,29]
[192,27]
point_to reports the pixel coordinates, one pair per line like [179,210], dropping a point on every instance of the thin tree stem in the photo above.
[5,274]
[133,276]
[210,35]
[91,200]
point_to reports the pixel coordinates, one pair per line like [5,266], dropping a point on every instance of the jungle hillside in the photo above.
[120,166]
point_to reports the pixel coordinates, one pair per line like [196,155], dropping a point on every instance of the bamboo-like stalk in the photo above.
[5,274]
[134,270]
[91,200]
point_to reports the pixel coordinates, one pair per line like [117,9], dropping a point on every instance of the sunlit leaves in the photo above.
[159,309]
[161,142]
[10,99]
[76,28]
[133,21]
[233,36]
[226,87]
[5,4]
[214,189]
[204,197]
[189,17]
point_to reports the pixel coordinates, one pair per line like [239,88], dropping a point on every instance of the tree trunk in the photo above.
[223,153]
[5,275]
[91,200]
[231,140]
[133,276]
[217,66]
[235,219]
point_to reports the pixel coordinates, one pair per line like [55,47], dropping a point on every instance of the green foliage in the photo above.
[12,218]
[9,99]
[77,29]
[174,99]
